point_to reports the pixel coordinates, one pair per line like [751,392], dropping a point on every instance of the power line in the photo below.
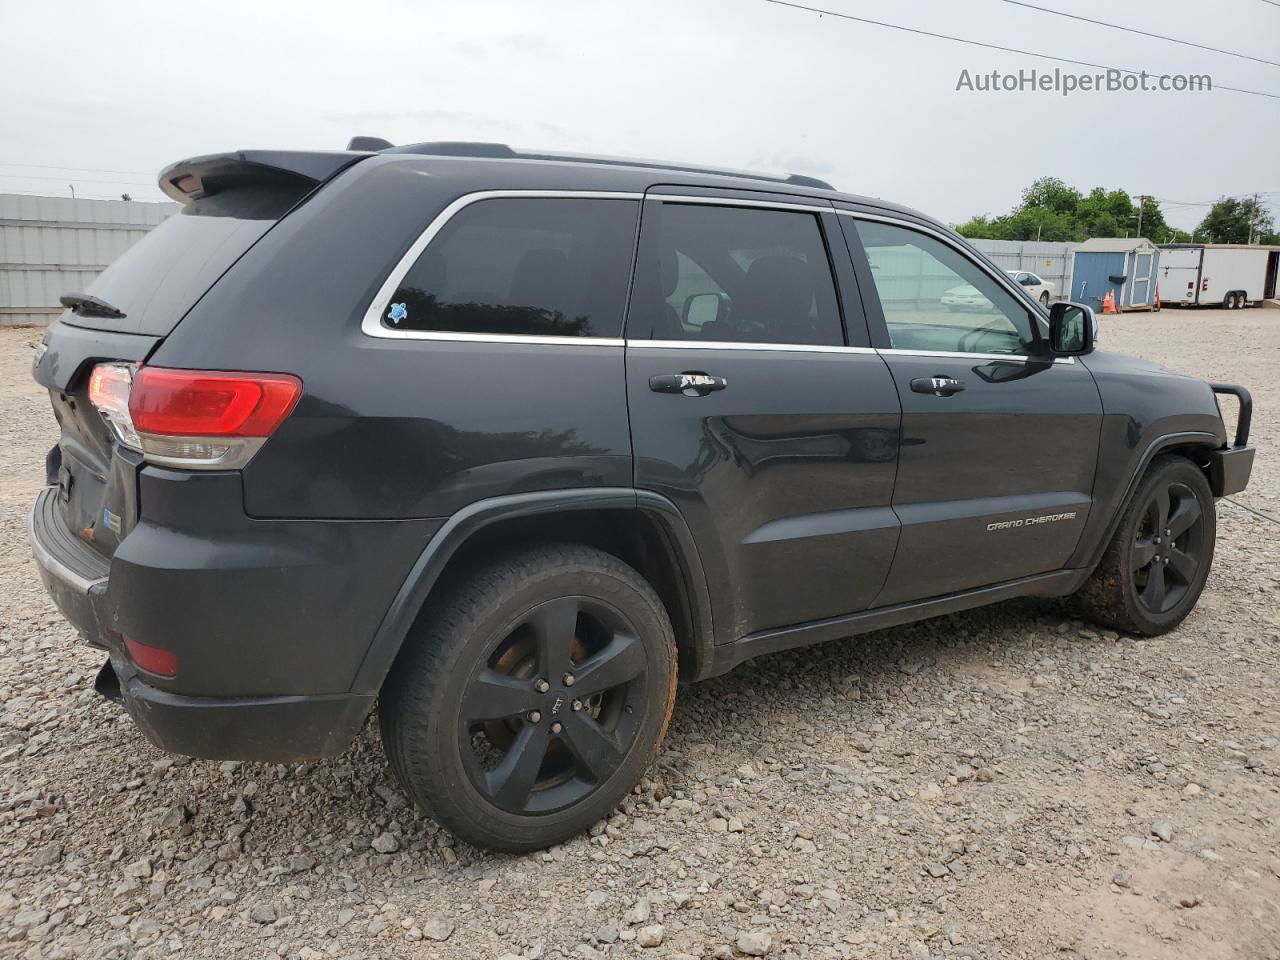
[26,176]
[994,46]
[78,196]
[54,166]
[1142,33]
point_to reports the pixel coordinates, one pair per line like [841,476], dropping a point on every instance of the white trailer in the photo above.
[1217,274]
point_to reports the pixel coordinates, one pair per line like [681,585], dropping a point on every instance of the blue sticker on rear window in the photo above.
[398,313]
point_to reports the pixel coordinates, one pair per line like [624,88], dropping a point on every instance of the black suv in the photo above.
[502,442]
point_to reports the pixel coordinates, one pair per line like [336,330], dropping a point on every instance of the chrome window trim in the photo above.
[526,338]
[960,355]
[1001,278]
[738,202]
[744,345]
[372,325]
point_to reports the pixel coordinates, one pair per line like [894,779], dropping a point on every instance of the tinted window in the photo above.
[722,273]
[527,265]
[157,280]
[936,299]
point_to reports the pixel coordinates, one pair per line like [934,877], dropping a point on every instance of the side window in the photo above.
[936,299]
[737,274]
[539,266]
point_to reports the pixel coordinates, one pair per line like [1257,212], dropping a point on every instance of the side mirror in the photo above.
[1073,329]
[702,308]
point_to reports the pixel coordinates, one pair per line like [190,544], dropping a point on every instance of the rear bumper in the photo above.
[269,620]
[74,575]
[262,729]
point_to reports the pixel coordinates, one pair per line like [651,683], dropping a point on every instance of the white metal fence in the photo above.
[55,245]
[1048,261]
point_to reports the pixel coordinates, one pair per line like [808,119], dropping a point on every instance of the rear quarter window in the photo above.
[533,266]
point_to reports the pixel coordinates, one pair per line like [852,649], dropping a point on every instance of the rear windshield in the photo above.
[157,280]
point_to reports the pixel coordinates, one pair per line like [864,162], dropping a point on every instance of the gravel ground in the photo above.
[1004,783]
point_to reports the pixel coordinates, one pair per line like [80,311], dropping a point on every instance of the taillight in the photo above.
[200,403]
[202,419]
[109,386]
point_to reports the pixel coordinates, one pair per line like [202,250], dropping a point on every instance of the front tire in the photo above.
[1157,563]
[530,701]
[1044,299]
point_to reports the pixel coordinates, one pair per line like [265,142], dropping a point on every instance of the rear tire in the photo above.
[530,701]
[1156,565]
[1044,299]
[1229,302]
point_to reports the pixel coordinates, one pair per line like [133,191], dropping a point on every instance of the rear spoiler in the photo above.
[200,177]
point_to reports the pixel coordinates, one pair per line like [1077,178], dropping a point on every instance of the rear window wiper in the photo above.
[86,306]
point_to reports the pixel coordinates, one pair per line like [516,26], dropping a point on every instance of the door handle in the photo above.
[690,384]
[938,386]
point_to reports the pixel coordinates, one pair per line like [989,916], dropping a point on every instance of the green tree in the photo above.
[1234,220]
[1052,193]
[1052,210]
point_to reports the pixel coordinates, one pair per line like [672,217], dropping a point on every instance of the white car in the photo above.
[966,297]
[1041,290]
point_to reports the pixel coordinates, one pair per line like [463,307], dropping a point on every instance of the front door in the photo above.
[998,449]
[775,436]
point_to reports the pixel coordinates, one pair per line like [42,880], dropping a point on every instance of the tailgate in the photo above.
[230,201]
[95,478]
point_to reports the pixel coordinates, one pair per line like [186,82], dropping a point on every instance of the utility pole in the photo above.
[1253,214]
[1142,199]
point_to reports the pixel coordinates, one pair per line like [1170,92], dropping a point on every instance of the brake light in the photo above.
[200,419]
[199,403]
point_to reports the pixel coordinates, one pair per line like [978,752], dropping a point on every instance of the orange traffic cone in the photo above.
[1109,303]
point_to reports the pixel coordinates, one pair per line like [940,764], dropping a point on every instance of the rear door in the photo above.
[774,434]
[1179,274]
[998,449]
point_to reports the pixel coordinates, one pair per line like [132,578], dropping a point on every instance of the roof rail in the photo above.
[463,148]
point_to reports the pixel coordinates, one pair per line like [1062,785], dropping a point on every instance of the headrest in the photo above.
[781,286]
[668,273]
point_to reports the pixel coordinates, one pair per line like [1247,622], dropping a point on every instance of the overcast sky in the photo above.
[118,90]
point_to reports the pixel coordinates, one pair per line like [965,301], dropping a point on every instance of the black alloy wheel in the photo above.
[1156,565]
[552,711]
[1168,547]
[531,696]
